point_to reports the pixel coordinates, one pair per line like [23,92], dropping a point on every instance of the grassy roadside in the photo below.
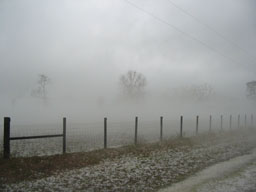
[29,168]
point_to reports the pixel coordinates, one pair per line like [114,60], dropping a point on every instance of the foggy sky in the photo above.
[84,47]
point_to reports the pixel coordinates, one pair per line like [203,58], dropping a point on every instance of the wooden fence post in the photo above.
[210,124]
[64,135]
[197,124]
[105,133]
[161,128]
[136,131]
[7,121]
[181,125]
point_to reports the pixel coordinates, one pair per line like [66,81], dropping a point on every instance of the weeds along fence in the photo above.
[49,139]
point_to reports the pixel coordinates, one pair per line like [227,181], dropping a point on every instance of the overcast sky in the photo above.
[84,45]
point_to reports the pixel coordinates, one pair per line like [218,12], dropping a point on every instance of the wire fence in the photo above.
[81,137]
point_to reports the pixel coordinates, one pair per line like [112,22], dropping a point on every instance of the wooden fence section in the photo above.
[8,138]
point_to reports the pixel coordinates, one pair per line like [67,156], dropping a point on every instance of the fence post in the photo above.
[221,122]
[230,122]
[105,133]
[245,121]
[181,125]
[136,131]
[251,120]
[238,121]
[210,124]
[64,135]
[161,128]
[7,121]
[197,123]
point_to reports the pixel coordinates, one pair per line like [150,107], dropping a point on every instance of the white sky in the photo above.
[84,46]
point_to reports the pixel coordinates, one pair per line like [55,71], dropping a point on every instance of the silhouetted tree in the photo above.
[41,91]
[251,89]
[202,92]
[133,84]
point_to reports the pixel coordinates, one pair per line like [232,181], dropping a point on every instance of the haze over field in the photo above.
[83,47]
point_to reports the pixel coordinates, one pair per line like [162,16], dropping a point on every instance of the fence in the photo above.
[7,138]
[121,133]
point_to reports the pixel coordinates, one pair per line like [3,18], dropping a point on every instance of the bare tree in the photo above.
[133,84]
[251,89]
[202,92]
[41,91]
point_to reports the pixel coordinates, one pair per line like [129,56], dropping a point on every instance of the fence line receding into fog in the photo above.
[116,133]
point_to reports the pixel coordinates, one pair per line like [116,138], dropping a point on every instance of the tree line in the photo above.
[133,85]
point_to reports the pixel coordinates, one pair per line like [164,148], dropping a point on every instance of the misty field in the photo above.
[83,137]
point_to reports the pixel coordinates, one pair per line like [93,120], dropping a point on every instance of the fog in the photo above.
[83,47]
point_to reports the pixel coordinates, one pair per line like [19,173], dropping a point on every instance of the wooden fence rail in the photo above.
[8,138]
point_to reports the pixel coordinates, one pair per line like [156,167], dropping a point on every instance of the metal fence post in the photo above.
[210,124]
[161,128]
[181,125]
[136,131]
[245,121]
[230,122]
[221,122]
[64,135]
[7,121]
[105,133]
[197,124]
[238,121]
[251,120]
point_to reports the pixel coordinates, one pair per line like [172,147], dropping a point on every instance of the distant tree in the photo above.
[251,89]
[202,92]
[41,91]
[133,84]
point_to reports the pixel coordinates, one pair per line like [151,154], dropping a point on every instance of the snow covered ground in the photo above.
[235,175]
[148,173]
[243,181]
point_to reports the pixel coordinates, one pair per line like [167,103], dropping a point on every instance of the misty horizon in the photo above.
[84,47]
